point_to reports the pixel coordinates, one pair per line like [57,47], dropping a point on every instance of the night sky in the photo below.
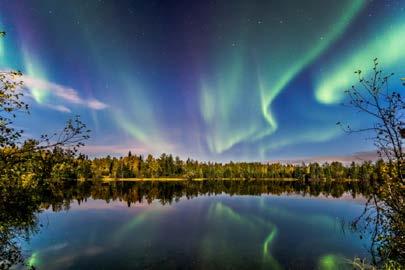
[211,80]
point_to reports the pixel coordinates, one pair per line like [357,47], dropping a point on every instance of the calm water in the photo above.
[223,225]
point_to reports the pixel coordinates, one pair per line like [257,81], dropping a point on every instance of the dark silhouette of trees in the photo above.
[26,165]
[165,166]
[385,210]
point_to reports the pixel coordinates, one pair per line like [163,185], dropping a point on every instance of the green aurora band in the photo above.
[280,80]
[218,109]
[221,212]
[388,47]
[218,213]
[248,65]
[138,220]
[33,69]
[331,262]
[266,250]
[222,97]
[324,220]
[314,135]
[33,260]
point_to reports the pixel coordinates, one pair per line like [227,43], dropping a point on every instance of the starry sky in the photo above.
[212,80]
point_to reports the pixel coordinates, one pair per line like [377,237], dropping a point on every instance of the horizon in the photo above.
[358,158]
[252,81]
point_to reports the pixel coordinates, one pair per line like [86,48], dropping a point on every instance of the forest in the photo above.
[62,164]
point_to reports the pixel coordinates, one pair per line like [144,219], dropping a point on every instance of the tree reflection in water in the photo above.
[20,206]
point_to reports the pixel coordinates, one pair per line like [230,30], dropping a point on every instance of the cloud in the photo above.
[64,93]
[96,104]
[59,108]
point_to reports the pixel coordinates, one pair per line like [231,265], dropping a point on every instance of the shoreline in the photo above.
[168,179]
[176,179]
[179,179]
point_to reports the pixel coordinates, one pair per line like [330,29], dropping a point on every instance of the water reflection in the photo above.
[168,192]
[214,230]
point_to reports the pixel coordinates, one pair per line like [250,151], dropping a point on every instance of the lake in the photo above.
[197,225]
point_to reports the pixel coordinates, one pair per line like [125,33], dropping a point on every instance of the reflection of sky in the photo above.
[251,80]
[205,232]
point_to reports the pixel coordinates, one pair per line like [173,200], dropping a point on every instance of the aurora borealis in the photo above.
[217,80]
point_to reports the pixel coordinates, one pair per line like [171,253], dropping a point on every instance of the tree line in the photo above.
[62,164]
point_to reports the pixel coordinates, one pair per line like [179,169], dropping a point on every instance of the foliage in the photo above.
[10,105]
[26,165]
[385,210]
[18,209]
